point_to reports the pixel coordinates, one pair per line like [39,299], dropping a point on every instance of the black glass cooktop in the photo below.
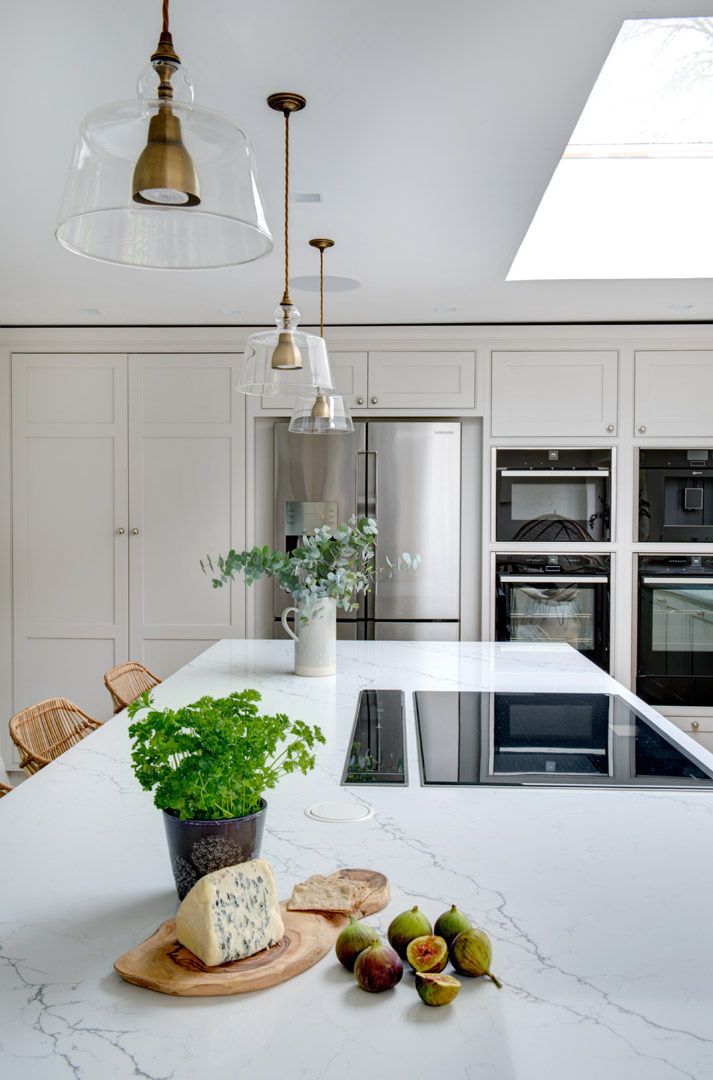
[557,740]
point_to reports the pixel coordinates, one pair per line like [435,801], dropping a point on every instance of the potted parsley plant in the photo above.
[208,765]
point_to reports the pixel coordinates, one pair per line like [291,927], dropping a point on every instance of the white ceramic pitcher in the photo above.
[315,637]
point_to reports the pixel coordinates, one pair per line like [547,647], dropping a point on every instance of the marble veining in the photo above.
[598,903]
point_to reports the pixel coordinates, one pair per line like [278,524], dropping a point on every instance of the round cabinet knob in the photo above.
[360,401]
[120,532]
[695,725]
[610,427]
[642,428]
[134,532]
[375,401]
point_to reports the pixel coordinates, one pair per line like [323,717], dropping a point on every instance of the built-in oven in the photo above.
[675,636]
[560,598]
[676,496]
[553,496]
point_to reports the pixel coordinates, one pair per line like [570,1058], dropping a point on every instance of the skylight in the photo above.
[631,196]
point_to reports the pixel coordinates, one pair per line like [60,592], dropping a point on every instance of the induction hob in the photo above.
[547,739]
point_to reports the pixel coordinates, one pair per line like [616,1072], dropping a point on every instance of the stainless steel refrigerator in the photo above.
[406,474]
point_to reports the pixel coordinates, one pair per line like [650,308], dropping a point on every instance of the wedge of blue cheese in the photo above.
[231,913]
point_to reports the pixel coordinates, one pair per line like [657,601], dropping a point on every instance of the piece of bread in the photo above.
[333,893]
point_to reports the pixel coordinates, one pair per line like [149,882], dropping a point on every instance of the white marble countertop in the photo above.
[598,903]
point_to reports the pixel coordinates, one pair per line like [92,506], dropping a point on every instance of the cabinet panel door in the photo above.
[187,497]
[349,375]
[554,393]
[422,380]
[70,565]
[674,390]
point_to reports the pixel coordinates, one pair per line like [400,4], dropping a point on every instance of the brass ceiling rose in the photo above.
[285,101]
[321,245]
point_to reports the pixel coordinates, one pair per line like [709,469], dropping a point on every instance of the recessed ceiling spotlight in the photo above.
[680,307]
[89,311]
[307,196]
[444,309]
[231,311]
[310,283]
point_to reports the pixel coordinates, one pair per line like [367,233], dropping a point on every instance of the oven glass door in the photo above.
[573,610]
[676,626]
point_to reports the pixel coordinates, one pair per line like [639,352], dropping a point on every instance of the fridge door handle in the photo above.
[367,482]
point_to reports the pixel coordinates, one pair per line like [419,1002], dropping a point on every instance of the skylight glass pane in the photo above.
[631,195]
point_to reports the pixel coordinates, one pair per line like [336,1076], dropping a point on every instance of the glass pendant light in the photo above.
[162,183]
[323,412]
[285,360]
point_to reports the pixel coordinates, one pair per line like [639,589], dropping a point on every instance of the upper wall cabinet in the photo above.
[349,371]
[563,393]
[674,390]
[422,380]
[399,380]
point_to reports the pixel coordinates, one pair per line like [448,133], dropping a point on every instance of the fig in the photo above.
[471,953]
[427,953]
[450,924]
[405,927]
[436,989]
[353,939]
[377,968]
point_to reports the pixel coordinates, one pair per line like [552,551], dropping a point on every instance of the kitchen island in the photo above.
[597,902]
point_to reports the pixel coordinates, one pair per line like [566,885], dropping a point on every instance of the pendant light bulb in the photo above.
[165,174]
[285,360]
[287,355]
[325,413]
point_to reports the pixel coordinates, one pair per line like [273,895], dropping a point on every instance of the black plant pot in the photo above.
[197,848]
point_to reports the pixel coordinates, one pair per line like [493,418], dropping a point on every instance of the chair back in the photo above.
[5,789]
[127,681]
[44,731]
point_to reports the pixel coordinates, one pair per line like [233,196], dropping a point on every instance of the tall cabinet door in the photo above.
[187,498]
[70,528]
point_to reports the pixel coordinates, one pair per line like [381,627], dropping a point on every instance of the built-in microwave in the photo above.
[676,496]
[553,495]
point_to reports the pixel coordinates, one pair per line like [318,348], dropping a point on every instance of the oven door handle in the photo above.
[695,581]
[558,474]
[553,579]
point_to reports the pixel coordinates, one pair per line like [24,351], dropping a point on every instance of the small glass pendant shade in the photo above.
[163,184]
[258,373]
[321,414]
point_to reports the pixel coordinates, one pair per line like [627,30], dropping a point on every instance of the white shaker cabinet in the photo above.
[126,472]
[421,380]
[349,372]
[674,392]
[396,379]
[565,393]
[70,526]
[186,500]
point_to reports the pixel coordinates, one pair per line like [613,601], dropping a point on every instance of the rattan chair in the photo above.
[42,732]
[127,681]
[5,789]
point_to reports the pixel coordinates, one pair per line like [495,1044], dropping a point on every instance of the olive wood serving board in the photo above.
[161,963]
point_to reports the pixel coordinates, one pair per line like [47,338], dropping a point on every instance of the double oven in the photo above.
[554,507]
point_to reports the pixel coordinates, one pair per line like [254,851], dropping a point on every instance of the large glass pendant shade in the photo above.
[321,414]
[162,183]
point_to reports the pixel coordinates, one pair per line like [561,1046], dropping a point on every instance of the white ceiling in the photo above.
[432,130]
